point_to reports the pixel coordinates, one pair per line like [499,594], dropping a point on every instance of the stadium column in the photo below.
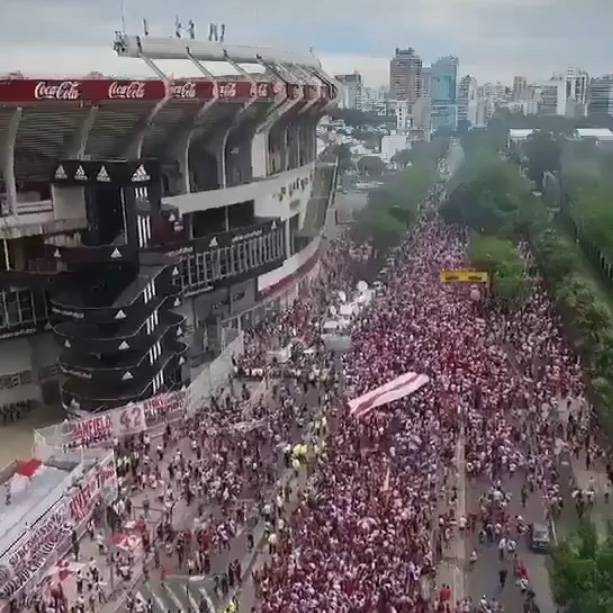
[178,151]
[8,160]
[134,149]
[78,145]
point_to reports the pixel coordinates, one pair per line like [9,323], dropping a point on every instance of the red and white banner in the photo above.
[101,429]
[164,408]
[399,387]
[28,555]
[80,90]
[99,483]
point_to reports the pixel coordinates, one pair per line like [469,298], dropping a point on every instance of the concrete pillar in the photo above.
[8,160]
[134,148]
[259,153]
[79,144]
[178,151]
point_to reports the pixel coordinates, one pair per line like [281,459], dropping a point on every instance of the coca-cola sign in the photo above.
[183,91]
[64,90]
[132,90]
[82,91]
[193,89]
[228,90]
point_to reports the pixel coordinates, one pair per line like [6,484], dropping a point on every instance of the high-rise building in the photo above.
[551,96]
[351,96]
[444,76]
[601,95]
[405,75]
[577,90]
[468,100]
[520,88]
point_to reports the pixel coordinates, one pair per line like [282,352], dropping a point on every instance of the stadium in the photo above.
[146,222]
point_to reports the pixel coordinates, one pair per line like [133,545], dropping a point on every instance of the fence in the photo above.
[102,429]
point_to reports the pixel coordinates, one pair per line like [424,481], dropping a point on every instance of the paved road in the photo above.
[179,593]
[483,579]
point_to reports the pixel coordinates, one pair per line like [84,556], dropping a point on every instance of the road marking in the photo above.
[174,598]
[206,596]
[192,601]
[158,601]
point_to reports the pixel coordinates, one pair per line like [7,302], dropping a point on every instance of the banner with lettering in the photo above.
[28,555]
[165,408]
[101,429]
[100,483]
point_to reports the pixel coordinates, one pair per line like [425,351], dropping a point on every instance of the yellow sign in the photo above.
[464,276]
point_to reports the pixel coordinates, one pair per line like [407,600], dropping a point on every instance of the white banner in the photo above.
[100,429]
[99,483]
[397,388]
[165,408]
[28,555]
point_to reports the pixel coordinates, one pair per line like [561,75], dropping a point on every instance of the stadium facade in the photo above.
[145,221]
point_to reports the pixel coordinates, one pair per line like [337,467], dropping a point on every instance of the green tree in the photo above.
[344,158]
[500,259]
[371,165]
[543,153]
[402,158]
[582,572]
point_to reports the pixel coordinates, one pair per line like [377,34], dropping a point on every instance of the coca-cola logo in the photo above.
[183,91]
[134,90]
[66,90]
[228,90]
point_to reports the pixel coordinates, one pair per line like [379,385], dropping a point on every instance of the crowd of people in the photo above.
[377,518]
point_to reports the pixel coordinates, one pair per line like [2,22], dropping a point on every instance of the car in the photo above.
[540,539]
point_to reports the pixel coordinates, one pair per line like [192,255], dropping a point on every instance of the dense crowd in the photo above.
[377,515]
[370,530]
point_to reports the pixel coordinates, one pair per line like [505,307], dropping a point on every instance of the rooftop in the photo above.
[598,133]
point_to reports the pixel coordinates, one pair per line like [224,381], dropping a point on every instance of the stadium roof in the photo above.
[598,133]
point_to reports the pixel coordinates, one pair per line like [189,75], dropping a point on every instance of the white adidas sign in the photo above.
[60,173]
[80,175]
[116,254]
[140,175]
[213,242]
[103,175]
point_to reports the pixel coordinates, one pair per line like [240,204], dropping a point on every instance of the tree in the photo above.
[402,158]
[582,571]
[490,197]
[371,165]
[543,152]
[500,259]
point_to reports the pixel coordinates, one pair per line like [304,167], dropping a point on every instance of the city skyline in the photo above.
[494,41]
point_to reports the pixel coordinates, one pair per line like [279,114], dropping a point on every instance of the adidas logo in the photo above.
[123,346]
[273,225]
[60,173]
[116,254]
[80,174]
[213,242]
[140,175]
[103,175]
[127,376]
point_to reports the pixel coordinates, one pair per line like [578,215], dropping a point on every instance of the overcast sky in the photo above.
[494,39]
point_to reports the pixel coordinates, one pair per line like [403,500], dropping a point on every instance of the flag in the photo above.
[399,387]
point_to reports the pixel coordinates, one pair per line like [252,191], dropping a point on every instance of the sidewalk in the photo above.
[115,588]
[451,569]
[183,592]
